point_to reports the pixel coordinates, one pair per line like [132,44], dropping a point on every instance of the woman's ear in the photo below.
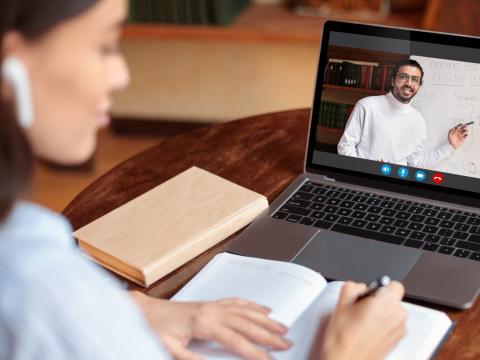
[15,74]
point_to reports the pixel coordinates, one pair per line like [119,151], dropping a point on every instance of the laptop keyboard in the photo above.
[396,221]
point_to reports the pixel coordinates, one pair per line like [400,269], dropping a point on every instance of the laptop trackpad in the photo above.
[344,257]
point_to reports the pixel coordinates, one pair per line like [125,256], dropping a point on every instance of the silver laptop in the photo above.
[391,183]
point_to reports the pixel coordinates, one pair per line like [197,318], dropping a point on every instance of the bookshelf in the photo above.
[363,92]
[260,23]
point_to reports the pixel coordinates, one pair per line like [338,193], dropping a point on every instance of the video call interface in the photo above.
[411,109]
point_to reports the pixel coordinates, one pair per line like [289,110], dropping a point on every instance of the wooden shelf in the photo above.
[260,24]
[356,90]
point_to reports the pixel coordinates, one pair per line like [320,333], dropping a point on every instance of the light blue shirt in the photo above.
[56,304]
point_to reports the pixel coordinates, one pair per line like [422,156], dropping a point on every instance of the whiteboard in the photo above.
[450,95]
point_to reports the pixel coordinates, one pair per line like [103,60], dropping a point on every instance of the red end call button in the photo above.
[437,178]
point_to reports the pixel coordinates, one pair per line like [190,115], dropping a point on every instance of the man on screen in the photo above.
[387,128]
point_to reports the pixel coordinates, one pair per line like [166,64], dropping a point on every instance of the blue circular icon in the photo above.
[402,172]
[386,169]
[420,175]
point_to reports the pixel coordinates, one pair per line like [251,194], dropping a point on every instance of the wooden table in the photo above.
[263,153]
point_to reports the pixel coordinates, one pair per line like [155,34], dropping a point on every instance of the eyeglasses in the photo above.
[405,77]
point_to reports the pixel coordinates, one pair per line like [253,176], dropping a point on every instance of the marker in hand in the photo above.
[469,123]
[374,286]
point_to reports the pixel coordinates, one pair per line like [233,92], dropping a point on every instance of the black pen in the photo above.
[374,286]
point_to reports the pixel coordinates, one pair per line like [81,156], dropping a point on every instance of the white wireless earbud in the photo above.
[14,72]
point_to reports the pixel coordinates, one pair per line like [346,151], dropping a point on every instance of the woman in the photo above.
[60,63]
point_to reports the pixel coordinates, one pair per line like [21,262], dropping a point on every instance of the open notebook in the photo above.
[301,299]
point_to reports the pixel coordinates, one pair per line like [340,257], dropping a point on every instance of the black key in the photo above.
[403,215]
[347,204]
[432,238]
[317,214]
[447,241]
[460,235]
[359,223]
[331,217]
[319,191]
[475,256]
[307,221]
[306,188]
[462,253]
[387,229]
[372,217]
[429,212]
[417,235]
[387,204]
[400,223]
[345,220]
[345,196]
[475,230]
[415,226]
[320,199]
[444,215]
[446,224]
[332,193]
[373,226]
[473,221]
[459,218]
[417,218]
[386,220]
[294,218]
[430,247]
[317,206]
[415,209]
[474,238]
[374,209]
[322,224]
[295,210]
[388,212]
[359,198]
[330,209]
[401,207]
[298,202]
[467,245]
[430,229]
[402,232]
[413,243]
[373,201]
[447,250]
[432,221]
[302,196]
[358,214]
[392,239]
[344,212]
[361,207]
[280,215]
[333,201]
[461,227]
[445,232]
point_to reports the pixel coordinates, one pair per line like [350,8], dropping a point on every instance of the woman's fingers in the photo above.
[259,319]
[255,333]
[237,343]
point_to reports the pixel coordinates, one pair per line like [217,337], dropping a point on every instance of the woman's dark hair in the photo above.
[31,18]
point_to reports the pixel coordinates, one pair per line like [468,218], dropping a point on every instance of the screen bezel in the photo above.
[410,187]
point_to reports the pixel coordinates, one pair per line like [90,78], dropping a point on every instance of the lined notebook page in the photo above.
[286,288]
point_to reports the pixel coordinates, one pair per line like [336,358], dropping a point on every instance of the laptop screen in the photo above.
[399,105]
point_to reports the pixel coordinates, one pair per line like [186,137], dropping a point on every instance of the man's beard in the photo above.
[406,93]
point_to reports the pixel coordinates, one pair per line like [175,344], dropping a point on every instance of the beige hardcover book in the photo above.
[162,229]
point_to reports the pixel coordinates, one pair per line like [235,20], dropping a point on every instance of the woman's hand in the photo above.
[367,329]
[236,324]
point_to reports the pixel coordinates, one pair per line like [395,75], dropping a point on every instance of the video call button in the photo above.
[402,172]
[420,175]
[386,169]
[437,178]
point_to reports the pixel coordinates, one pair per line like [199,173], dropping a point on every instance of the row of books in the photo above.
[334,115]
[199,12]
[365,75]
